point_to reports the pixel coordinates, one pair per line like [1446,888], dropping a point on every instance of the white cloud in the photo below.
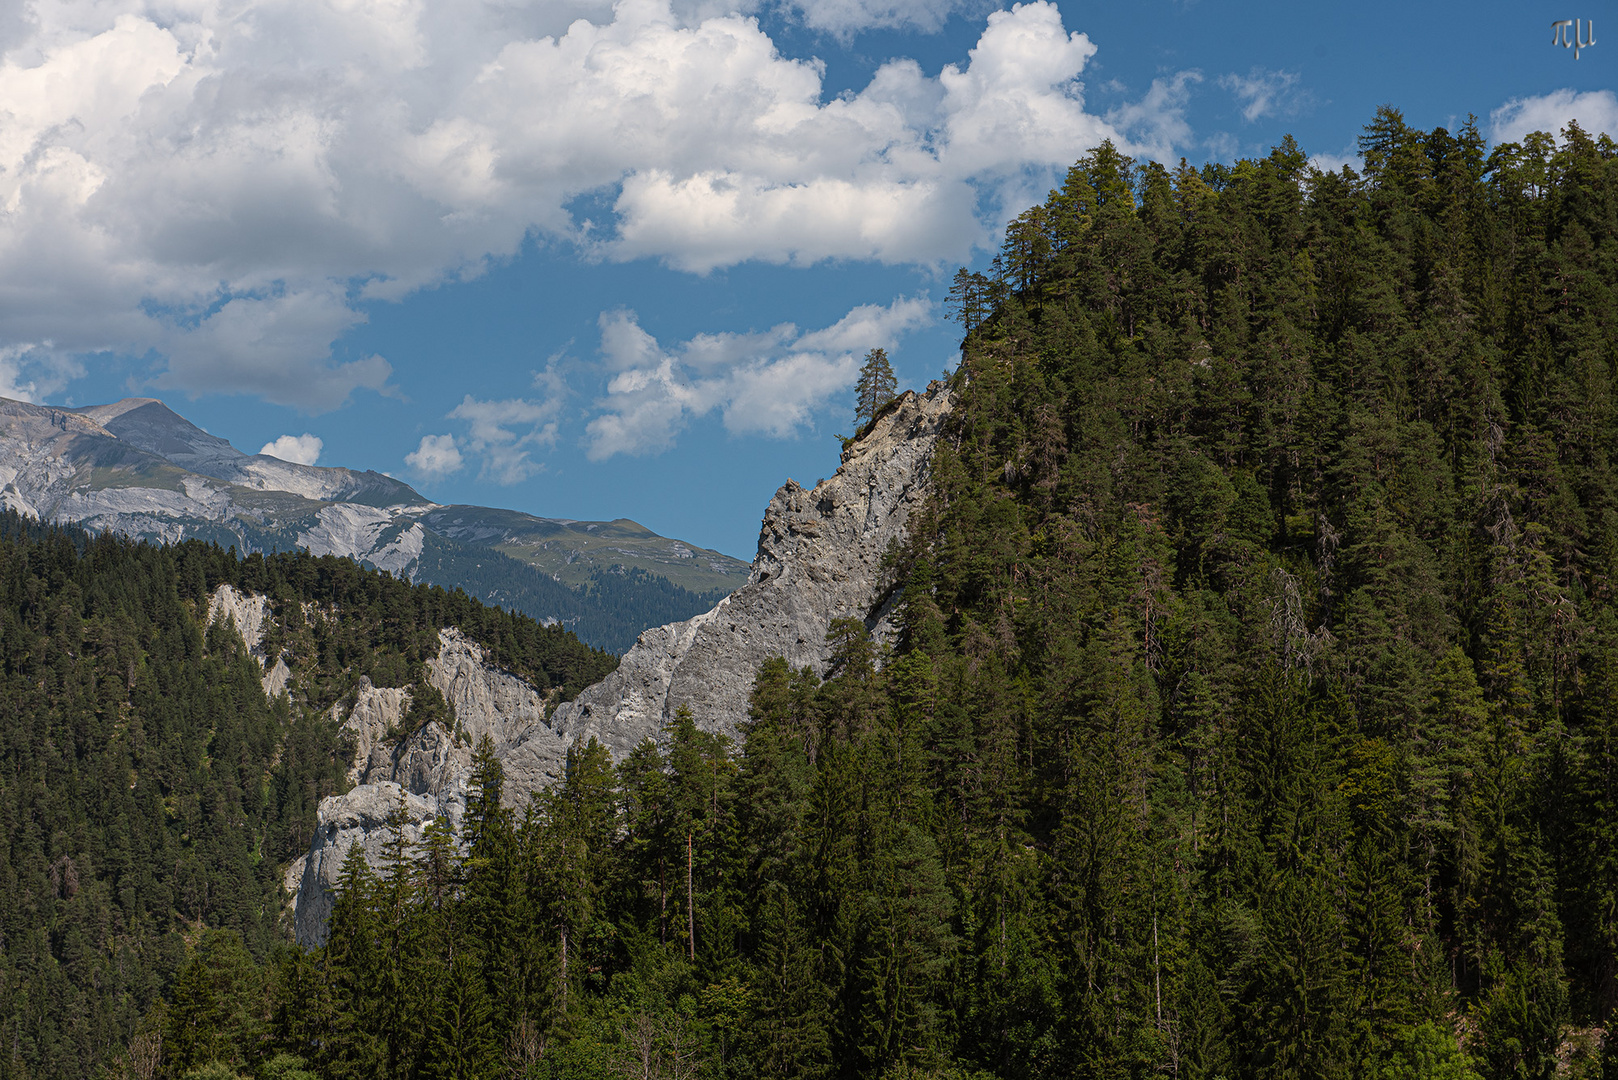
[437,456]
[1334,162]
[494,434]
[34,372]
[275,346]
[1264,93]
[222,184]
[768,383]
[1156,124]
[299,449]
[843,17]
[1595,110]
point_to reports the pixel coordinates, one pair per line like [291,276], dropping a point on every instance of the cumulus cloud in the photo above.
[1595,110]
[34,372]
[299,449]
[1262,93]
[223,185]
[503,432]
[437,456]
[274,346]
[768,383]
[844,17]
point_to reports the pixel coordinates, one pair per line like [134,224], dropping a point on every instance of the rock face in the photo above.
[251,616]
[359,817]
[820,555]
[427,774]
[376,710]
[431,769]
[488,701]
[247,612]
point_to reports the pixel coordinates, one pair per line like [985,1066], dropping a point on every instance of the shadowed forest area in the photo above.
[151,796]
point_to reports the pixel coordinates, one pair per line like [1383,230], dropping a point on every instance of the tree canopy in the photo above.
[1254,711]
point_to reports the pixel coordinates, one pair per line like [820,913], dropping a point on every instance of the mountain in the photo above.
[138,468]
[822,556]
[1239,696]
[1217,677]
[573,552]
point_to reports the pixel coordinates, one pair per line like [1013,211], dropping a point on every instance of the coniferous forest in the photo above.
[1255,712]
[151,796]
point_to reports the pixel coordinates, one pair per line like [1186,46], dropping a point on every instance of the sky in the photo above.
[596,260]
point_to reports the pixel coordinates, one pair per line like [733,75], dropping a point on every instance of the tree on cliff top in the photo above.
[876,387]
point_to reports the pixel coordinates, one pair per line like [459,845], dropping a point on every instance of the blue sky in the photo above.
[592,260]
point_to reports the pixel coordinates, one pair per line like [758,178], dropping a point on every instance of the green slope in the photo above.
[572,551]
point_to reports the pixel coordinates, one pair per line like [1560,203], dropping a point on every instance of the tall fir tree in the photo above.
[875,388]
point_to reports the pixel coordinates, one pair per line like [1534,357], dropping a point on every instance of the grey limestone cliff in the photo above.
[428,772]
[251,616]
[359,818]
[425,774]
[820,557]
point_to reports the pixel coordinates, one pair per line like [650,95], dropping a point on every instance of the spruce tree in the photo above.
[875,388]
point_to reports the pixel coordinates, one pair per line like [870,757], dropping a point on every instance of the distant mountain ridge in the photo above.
[138,468]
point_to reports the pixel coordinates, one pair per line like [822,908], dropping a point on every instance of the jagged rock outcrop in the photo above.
[357,818]
[432,766]
[820,557]
[277,679]
[376,711]
[250,614]
[488,701]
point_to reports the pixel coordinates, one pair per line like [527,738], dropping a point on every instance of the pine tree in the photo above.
[875,388]
[461,1042]
[579,823]
[788,1036]
[353,957]
[217,1014]
[494,903]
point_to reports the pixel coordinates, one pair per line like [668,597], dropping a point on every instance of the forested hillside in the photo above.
[149,791]
[608,610]
[1256,712]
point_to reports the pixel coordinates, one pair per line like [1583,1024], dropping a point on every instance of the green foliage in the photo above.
[875,388]
[215,1021]
[1252,714]
[286,1067]
[1426,1052]
[151,794]
[213,1070]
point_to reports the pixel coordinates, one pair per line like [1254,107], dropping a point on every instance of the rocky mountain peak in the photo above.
[820,557]
[152,426]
